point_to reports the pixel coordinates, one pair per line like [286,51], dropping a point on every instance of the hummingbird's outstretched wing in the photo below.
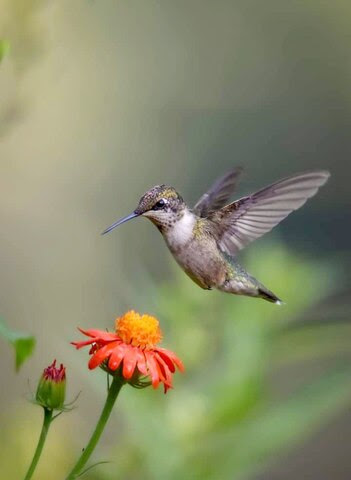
[241,222]
[219,193]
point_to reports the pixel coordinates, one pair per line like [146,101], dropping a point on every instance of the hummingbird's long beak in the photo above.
[119,222]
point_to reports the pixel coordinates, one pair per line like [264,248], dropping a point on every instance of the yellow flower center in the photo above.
[139,330]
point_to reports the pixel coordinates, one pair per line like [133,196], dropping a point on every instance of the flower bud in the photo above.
[52,387]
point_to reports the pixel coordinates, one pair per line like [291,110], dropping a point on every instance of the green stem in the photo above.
[38,450]
[105,414]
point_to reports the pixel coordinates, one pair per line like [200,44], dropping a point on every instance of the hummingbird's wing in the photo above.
[241,222]
[219,193]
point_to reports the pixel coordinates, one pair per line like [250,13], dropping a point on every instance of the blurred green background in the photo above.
[99,101]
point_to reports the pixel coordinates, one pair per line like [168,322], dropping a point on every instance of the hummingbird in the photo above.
[205,239]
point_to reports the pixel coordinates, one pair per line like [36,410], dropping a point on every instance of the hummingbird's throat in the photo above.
[181,231]
[138,330]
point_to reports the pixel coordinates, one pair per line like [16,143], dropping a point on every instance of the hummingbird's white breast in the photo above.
[181,232]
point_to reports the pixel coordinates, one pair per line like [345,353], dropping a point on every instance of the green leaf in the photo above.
[22,343]
[4,49]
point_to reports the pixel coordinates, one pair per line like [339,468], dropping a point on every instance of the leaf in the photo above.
[22,343]
[4,49]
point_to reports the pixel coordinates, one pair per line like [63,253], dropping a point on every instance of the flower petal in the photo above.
[172,356]
[82,344]
[166,359]
[102,354]
[166,372]
[152,366]
[166,387]
[117,356]
[157,371]
[129,362]
[141,362]
[101,335]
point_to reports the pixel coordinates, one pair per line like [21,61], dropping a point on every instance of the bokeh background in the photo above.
[99,101]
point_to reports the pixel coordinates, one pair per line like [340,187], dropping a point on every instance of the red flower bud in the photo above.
[52,387]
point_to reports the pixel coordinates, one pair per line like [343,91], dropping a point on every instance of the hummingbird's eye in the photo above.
[160,204]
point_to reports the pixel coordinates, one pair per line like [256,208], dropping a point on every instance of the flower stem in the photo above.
[105,414]
[44,430]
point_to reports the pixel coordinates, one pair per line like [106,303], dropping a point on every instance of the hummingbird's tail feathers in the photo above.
[266,294]
[241,282]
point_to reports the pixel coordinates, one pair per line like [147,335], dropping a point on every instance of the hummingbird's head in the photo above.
[161,204]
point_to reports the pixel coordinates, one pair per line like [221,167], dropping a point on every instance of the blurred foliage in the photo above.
[21,342]
[223,420]
[4,48]
[19,24]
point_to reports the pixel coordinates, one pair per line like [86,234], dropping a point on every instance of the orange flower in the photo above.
[132,352]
